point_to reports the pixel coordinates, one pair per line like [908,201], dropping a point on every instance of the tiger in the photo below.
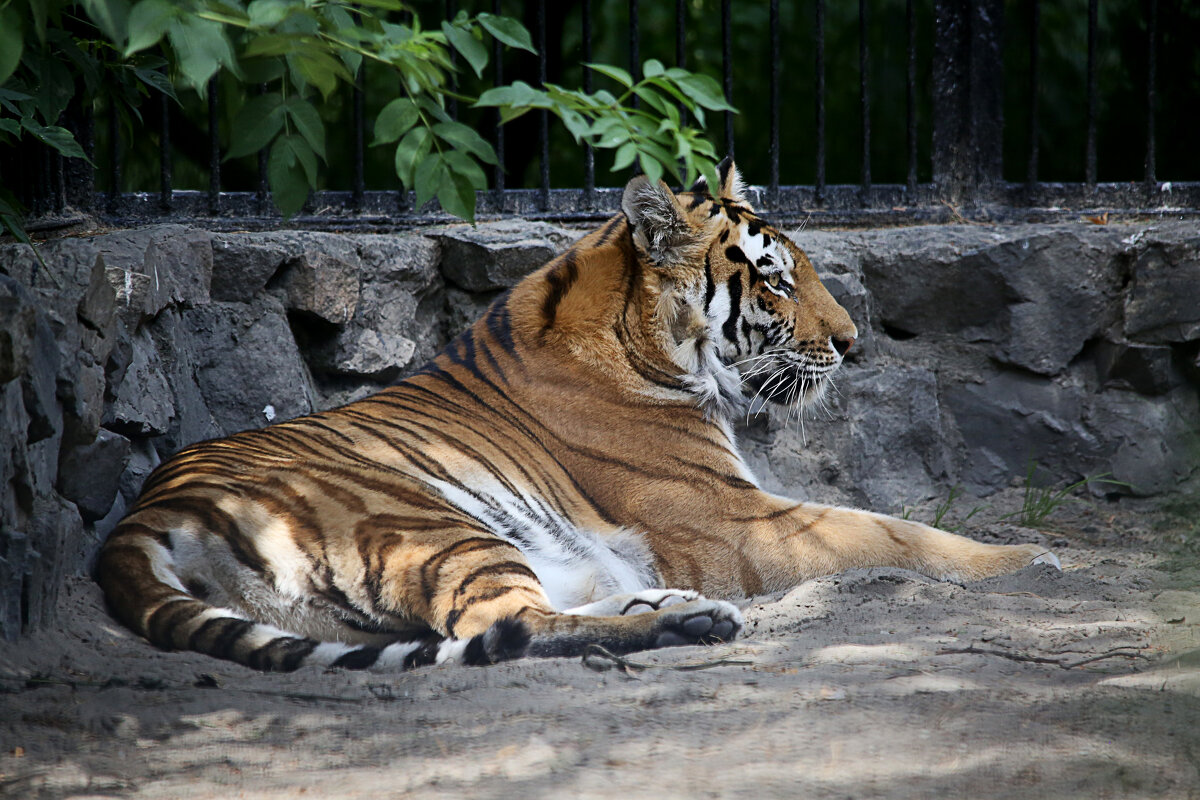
[564,473]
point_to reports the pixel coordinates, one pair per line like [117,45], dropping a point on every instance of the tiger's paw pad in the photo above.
[701,621]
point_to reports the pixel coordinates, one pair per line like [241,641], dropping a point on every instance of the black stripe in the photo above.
[167,617]
[710,288]
[361,658]
[499,324]
[284,654]
[425,654]
[560,278]
[735,307]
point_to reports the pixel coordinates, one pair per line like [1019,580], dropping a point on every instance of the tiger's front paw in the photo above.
[700,621]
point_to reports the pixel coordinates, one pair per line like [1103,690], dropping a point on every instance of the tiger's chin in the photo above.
[797,388]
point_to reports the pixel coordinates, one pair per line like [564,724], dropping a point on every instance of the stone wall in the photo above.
[979,348]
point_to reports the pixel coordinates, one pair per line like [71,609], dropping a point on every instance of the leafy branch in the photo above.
[296,49]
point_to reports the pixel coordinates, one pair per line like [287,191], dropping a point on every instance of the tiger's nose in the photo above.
[842,345]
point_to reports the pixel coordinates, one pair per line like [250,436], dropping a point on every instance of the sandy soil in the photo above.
[872,683]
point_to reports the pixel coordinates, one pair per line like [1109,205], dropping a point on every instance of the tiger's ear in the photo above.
[660,223]
[732,186]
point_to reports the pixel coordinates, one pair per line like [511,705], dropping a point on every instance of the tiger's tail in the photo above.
[137,573]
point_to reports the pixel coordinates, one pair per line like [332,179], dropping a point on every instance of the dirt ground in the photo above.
[872,683]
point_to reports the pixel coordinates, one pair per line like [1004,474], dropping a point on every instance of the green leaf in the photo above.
[465,138]
[201,48]
[626,153]
[705,91]
[653,99]
[457,196]
[269,13]
[58,138]
[464,165]
[616,73]
[256,124]
[156,80]
[308,122]
[320,69]
[651,167]
[576,123]
[412,148]
[10,126]
[652,68]
[11,42]
[289,187]
[614,137]
[394,120]
[304,154]
[427,180]
[432,107]
[148,22]
[515,95]
[508,31]
[465,43]
[110,16]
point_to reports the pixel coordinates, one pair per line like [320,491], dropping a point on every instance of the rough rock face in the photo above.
[979,348]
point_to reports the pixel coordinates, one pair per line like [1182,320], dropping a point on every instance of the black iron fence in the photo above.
[964,92]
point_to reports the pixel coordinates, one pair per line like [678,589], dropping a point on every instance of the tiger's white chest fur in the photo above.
[575,566]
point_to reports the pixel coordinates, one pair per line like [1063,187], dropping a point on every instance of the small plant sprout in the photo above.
[1039,502]
[942,509]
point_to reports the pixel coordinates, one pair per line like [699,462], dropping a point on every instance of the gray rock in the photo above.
[495,255]
[1146,369]
[1037,298]
[39,384]
[1011,418]
[153,267]
[366,353]
[143,459]
[880,443]
[15,491]
[18,315]
[249,368]
[1161,305]
[144,404]
[176,349]
[1154,443]
[243,263]
[89,475]
[322,278]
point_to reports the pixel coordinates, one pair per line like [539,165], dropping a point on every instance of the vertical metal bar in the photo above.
[214,149]
[452,102]
[1090,154]
[164,151]
[114,154]
[1151,70]
[589,157]
[1035,24]
[910,15]
[681,45]
[262,167]
[635,49]
[773,146]
[819,189]
[544,130]
[727,70]
[864,65]
[403,198]
[360,178]
[498,61]
[58,182]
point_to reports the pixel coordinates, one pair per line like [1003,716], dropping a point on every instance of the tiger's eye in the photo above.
[773,280]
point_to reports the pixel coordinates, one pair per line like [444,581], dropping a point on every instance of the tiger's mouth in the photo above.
[786,380]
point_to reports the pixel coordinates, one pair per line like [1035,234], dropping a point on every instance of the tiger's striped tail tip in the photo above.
[506,640]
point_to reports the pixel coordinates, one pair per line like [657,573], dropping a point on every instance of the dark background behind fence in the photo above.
[852,107]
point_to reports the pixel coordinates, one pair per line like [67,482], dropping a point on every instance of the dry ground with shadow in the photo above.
[872,683]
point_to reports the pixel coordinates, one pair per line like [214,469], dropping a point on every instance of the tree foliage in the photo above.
[55,51]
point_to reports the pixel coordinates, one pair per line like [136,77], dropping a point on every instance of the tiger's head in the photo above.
[739,305]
